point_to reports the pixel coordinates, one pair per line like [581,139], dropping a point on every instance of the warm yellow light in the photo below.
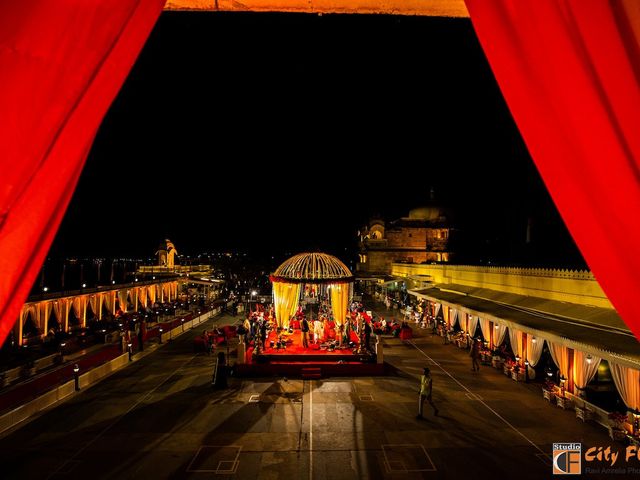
[431,8]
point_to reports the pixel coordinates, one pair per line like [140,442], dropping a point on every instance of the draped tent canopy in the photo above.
[311,268]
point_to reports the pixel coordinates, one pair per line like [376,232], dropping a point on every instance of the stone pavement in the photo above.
[160,418]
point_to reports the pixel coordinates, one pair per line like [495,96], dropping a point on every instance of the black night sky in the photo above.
[273,133]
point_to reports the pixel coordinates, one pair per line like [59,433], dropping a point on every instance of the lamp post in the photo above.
[160,335]
[76,377]
[526,371]
[62,345]
[130,351]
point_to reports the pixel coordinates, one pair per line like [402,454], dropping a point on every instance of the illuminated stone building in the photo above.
[421,237]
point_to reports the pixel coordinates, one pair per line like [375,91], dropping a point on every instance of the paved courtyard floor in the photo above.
[160,418]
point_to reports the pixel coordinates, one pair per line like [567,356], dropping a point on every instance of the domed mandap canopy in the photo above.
[311,278]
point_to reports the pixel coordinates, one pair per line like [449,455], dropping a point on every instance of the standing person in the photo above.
[305,332]
[426,386]
[247,331]
[367,334]
[210,344]
[263,332]
[475,355]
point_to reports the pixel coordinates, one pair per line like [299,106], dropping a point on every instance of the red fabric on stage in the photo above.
[569,73]
[62,64]
[294,346]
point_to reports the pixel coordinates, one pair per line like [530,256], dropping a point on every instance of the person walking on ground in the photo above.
[304,326]
[426,385]
[475,355]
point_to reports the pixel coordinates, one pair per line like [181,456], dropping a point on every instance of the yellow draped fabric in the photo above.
[534,349]
[133,298]
[152,291]
[485,328]
[560,355]
[46,308]
[92,300]
[339,302]
[472,325]
[583,370]
[285,299]
[142,296]
[35,314]
[58,311]
[515,338]
[79,305]
[101,298]
[110,301]
[627,382]
[122,299]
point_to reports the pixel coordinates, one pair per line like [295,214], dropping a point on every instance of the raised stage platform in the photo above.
[313,362]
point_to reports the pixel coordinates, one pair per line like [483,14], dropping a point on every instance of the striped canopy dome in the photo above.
[312,267]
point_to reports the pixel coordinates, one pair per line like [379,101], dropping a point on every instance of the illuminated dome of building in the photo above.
[313,267]
[426,213]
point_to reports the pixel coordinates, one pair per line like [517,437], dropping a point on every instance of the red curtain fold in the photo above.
[569,71]
[62,64]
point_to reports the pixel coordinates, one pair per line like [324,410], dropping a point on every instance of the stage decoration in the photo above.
[312,268]
[308,277]
[339,302]
[285,297]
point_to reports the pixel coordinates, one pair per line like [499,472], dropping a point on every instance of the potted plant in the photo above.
[497,359]
[616,429]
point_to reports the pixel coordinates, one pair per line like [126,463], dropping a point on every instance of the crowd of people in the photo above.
[317,326]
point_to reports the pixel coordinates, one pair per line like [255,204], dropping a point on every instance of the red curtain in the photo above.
[62,64]
[570,73]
